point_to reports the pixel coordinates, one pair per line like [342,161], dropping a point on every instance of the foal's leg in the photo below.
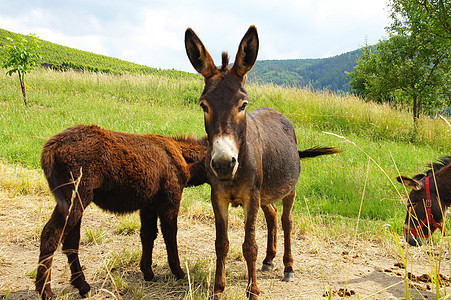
[70,248]
[270,212]
[66,228]
[250,247]
[71,239]
[50,237]
[148,234]
[287,225]
[168,218]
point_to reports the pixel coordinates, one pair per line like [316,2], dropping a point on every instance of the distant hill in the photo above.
[323,73]
[58,55]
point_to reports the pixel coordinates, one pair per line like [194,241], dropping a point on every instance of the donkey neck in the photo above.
[443,178]
[193,150]
[250,156]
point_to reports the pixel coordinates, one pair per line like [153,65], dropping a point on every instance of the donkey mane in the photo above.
[442,162]
[225,61]
[434,167]
[193,149]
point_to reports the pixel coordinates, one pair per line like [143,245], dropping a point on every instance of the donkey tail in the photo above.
[48,165]
[317,151]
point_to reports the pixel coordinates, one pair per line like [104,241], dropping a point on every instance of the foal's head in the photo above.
[224,100]
[426,205]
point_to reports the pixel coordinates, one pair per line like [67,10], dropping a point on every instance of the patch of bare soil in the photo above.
[322,268]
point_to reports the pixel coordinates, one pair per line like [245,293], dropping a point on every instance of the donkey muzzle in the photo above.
[224,158]
[413,240]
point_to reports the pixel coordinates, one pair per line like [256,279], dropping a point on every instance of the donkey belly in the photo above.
[118,201]
[280,181]
[280,156]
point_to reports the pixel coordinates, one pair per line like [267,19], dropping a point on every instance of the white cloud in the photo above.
[152,32]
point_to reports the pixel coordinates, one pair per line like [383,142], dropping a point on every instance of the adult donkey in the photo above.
[428,201]
[252,158]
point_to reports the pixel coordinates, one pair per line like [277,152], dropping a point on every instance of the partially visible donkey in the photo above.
[428,201]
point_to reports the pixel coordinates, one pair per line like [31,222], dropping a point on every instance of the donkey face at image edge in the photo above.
[427,201]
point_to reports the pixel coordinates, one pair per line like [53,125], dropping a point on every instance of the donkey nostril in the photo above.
[232,163]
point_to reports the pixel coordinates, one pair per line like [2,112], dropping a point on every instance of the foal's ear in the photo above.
[247,52]
[410,183]
[198,55]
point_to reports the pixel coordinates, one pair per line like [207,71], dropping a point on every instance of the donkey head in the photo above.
[424,211]
[224,101]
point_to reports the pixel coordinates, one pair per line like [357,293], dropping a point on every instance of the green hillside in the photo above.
[326,73]
[82,60]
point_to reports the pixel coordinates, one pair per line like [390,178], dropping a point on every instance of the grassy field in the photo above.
[354,189]
[378,142]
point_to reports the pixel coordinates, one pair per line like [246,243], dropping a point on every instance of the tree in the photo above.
[403,71]
[429,19]
[21,55]
[412,66]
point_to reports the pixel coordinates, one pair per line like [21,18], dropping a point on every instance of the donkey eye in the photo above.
[204,107]
[243,106]
[411,204]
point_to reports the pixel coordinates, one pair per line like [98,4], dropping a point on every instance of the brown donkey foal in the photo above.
[121,173]
[252,158]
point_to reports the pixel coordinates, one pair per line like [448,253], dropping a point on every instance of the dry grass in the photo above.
[20,180]
[328,253]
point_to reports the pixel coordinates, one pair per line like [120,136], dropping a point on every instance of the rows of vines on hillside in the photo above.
[81,60]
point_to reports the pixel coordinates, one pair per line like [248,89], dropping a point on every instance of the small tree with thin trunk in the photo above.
[20,55]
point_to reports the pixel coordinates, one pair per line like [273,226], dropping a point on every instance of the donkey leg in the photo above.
[168,219]
[270,212]
[50,237]
[71,236]
[220,209]
[250,247]
[70,248]
[148,235]
[287,225]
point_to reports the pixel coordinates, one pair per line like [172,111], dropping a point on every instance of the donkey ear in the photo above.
[410,183]
[247,52]
[198,55]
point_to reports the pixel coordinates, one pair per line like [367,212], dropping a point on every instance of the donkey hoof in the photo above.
[149,275]
[267,267]
[288,276]
[84,289]
[253,295]
[46,295]
[150,278]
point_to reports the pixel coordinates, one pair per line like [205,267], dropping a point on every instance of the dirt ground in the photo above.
[368,272]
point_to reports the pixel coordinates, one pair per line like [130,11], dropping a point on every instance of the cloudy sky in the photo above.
[151,32]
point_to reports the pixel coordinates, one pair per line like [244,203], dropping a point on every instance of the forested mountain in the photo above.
[324,73]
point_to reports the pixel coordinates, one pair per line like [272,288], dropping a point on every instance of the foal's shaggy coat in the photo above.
[121,173]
